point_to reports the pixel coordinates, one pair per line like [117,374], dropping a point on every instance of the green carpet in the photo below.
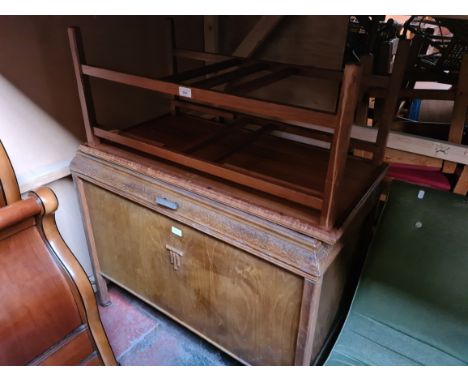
[411,304]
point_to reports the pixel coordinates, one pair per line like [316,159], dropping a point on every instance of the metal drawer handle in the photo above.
[161,201]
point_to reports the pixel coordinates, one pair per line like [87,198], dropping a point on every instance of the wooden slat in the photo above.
[244,143]
[143,139]
[296,132]
[292,130]
[325,136]
[257,35]
[84,92]
[397,156]
[203,109]
[318,135]
[230,76]
[293,186]
[354,144]
[391,99]
[262,81]
[306,71]
[207,69]
[340,145]
[198,144]
[458,119]
[312,72]
[220,132]
[199,56]
[245,105]
[213,169]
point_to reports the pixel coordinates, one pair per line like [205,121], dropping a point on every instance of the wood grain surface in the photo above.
[42,316]
[241,302]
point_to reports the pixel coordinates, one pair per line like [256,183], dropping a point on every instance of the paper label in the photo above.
[176,231]
[185,92]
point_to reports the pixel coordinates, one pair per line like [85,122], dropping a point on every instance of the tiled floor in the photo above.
[140,335]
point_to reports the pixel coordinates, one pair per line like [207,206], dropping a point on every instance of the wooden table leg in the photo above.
[461,187]
[100,282]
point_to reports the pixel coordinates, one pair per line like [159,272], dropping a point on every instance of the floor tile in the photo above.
[172,346]
[141,335]
[124,323]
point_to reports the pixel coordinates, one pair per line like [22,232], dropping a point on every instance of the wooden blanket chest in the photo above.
[249,273]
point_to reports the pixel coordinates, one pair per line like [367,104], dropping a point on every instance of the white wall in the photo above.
[69,221]
[40,150]
[38,146]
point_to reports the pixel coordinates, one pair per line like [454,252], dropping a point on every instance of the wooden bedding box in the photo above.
[253,275]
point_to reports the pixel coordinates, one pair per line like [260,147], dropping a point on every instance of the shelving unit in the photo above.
[215,128]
